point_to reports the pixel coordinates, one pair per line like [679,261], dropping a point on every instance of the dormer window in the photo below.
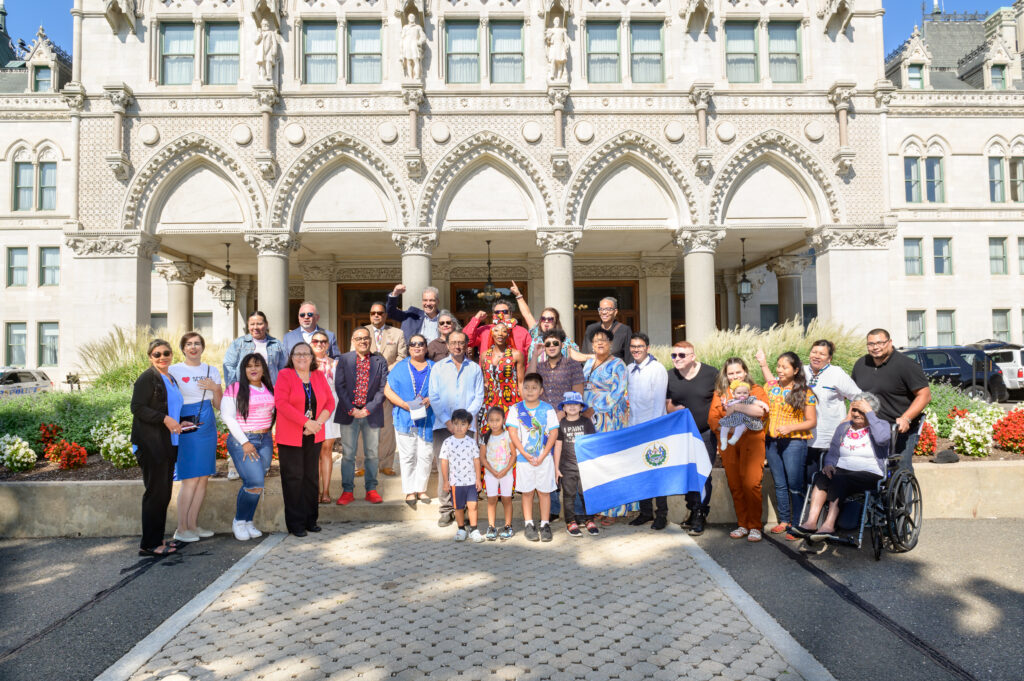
[915,76]
[998,76]
[42,79]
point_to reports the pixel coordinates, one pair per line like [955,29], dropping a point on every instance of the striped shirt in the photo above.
[261,412]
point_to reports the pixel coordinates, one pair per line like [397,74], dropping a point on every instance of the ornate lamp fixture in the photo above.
[746,288]
[489,294]
[227,293]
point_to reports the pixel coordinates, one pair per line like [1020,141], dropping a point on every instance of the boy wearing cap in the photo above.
[568,471]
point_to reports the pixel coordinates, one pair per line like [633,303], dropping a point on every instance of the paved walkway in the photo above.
[403,601]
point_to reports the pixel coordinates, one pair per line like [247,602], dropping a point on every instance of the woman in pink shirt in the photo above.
[247,409]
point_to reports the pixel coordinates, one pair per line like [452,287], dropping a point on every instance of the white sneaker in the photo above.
[461,535]
[203,534]
[186,536]
[476,537]
[253,532]
[232,474]
[241,530]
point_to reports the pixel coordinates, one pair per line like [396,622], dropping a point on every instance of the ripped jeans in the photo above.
[253,473]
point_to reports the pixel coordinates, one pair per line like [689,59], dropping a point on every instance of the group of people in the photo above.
[502,422]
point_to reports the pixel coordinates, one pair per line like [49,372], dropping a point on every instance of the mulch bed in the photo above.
[996,455]
[97,468]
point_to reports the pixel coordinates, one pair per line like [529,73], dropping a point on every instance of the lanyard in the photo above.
[308,389]
[412,377]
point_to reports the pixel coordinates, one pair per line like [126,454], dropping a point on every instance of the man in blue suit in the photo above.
[413,319]
[308,318]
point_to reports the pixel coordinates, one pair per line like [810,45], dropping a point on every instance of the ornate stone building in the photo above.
[635,148]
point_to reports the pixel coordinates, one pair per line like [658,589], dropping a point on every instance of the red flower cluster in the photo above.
[927,441]
[222,445]
[48,434]
[955,413]
[1008,432]
[66,454]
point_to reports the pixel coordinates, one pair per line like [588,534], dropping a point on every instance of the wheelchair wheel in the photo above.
[876,541]
[903,511]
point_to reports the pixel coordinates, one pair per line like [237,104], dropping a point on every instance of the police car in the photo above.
[14,382]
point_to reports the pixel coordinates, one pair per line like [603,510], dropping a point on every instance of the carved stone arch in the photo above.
[466,154]
[177,156]
[1016,147]
[912,146]
[629,144]
[937,146]
[18,150]
[786,152]
[44,144]
[325,152]
[997,146]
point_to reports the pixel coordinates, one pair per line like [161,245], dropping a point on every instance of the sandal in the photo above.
[779,529]
[423,498]
[739,533]
[607,521]
[325,499]
[755,535]
[167,550]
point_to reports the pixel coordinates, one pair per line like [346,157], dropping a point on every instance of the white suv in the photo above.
[1009,358]
[14,382]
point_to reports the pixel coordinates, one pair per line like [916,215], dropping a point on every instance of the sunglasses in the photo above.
[165,353]
[548,319]
[680,355]
[307,314]
[551,344]
[319,342]
[417,344]
[375,313]
[444,323]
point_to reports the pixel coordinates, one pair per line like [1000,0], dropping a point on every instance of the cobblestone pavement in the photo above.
[403,601]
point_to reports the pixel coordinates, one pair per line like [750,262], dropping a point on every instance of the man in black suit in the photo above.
[359,381]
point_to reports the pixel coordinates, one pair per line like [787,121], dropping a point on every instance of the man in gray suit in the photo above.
[389,343]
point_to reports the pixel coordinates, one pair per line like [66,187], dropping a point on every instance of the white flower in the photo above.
[115,444]
[16,454]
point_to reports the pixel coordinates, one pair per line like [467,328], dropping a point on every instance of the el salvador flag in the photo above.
[662,457]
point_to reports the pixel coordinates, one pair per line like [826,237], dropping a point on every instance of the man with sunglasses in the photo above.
[608,311]
[308,325]
[388,342]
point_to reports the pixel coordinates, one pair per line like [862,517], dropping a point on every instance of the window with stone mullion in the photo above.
[784,52]
[645,53]
[603,52]
[364,52]
[320,52]
[741,52]
[177,53]
[16,338]
[996,180]
[463,51]
[222,51]
[507,52]
[24,186]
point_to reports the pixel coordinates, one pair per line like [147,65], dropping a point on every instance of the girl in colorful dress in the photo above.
[606,401]
[499,462]
[504,368]
[332,431]
[792,415]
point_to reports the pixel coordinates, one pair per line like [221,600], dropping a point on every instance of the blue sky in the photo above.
[25,16]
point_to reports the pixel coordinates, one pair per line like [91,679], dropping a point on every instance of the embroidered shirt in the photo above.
[362,381]
[781,414]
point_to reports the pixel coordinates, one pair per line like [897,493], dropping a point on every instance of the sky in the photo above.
[25,16]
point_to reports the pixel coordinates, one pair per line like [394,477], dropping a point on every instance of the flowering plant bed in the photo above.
[96,468]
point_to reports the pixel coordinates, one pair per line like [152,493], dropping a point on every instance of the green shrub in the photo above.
[744,343]
[75,412]
[946,398]
[113,438]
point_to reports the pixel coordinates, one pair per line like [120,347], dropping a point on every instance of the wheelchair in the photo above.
[891,514]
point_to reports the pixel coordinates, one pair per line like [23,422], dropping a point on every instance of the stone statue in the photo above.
[413,41]
[267,43]
[557,40]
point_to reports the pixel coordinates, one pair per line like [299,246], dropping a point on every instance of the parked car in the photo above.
[23,382]
[1009,357]
[965,367]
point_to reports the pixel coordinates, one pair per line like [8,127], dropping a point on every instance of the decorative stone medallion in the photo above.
[814,131]
[440,132]
[241,134]
[149,134]
[295,134]
[725,131]
[387,132]
[674,131]
[531,132]
[584,131]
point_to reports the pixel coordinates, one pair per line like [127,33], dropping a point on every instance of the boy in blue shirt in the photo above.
[532,426]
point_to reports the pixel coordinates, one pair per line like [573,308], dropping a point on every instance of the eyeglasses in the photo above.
[548,319]
[878,344]
[456,343]
[165,353]
[361,339]
[445,323]
[193,345]
[307,314]
[637,347]
[680,355]
[376,313]
[301,354]
[551,344]
[319,342]
[417,344]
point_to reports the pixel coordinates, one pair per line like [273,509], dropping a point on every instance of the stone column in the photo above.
[416,248]
[558,247]
[732,299]
[181,277]
[243,303]
[121,97]
[272,251]
[699,277]
[657,298]
[788,271]
[852,275]
[700,98]
[318,277]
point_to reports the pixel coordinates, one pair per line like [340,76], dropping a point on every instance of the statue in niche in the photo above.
[556,39]
[413,41]
[267,43]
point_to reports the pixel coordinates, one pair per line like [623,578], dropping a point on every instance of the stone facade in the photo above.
[321,188]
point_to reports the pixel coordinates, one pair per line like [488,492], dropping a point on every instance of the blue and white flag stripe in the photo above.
[662,457]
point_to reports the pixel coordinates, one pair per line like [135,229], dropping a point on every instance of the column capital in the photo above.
[215,284]
[266,96]
[788,265]
[132,244]
[273,243]
[180,272]
[412,95]
[699,240]
[559,241]
[700,95]
[120,96]
[826,239]
[557,96]
[415,243]
[841,94]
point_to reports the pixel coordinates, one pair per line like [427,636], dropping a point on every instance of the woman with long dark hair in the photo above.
[792,415]
[247,409]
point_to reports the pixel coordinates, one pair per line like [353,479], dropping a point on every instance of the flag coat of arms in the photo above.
[662,457]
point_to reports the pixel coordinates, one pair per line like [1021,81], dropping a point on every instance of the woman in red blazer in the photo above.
[304,404]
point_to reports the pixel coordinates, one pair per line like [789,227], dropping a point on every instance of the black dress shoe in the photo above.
[553,517]
[300,533]
[697,526]
[315,528]
[640,520]
[659,524]
[688,522]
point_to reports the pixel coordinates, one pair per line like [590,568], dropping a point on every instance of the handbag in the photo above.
[199,413]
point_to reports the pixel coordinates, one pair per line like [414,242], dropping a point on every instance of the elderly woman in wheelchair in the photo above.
[855,462]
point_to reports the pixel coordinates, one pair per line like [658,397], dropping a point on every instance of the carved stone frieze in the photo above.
[607,154]
[789,265]
[477,272]
[551,241]
[661,267]
[826,239]
[464,154]
[296,289]
[318,271]
[134,244]
[699,240]
[273,243]
[363,274]
[783,145]
[180,272]
[415,243]
[605,271]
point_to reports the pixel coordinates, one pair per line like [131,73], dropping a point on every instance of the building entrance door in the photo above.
[588,297]
[354,301]
[466,301]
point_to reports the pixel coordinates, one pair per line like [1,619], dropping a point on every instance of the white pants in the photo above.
[416,456]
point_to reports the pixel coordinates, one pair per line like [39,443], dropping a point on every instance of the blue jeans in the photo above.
[787,458]
[349,441]
[253,473]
